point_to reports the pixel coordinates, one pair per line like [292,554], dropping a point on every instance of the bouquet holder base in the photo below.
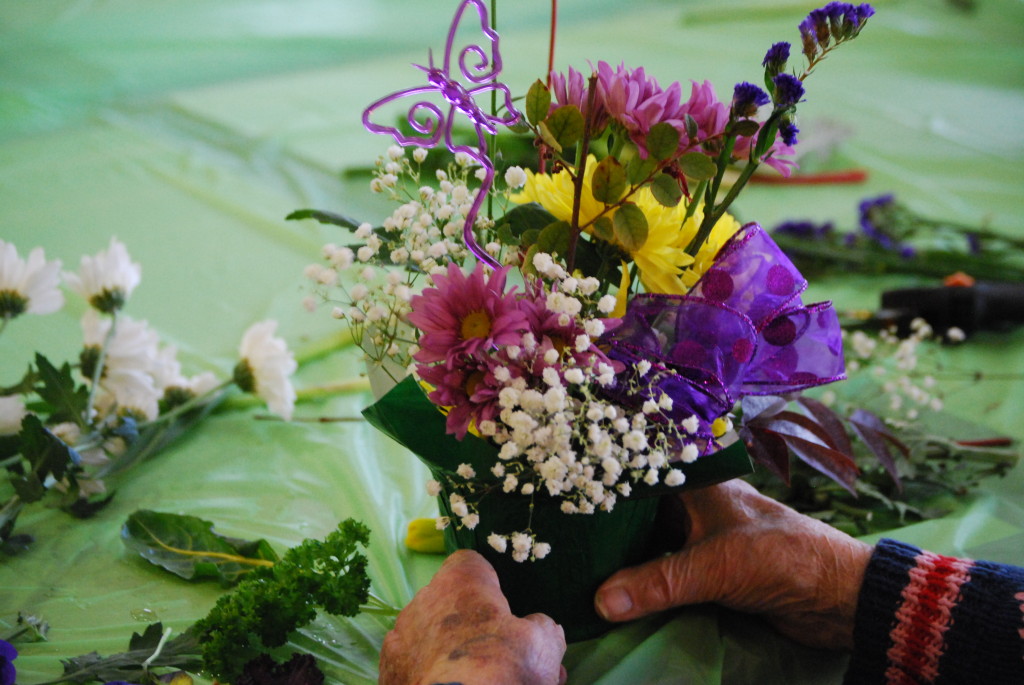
[585,548]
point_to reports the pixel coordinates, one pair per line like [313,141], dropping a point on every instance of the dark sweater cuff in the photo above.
[927,618]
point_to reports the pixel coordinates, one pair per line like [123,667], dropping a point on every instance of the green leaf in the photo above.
[324,217]
[538,102]
[603,229]
[609,181]
[188,547]
[697,166]
[180,653]
[662,141]
[691,127]
[26,385]
[522,218]
[639,171]
[630,226]
[67,402]
[666,190]
[554,239]
[745,127]
[47,454]
[548,137]
[565,125]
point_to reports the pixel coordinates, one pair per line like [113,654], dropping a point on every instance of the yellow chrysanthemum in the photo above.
[662,260]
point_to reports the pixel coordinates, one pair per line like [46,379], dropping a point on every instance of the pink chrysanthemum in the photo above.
[571,89]
[463,315]
[553,332]
[469,391]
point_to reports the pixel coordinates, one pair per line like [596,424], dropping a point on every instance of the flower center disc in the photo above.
[476,324]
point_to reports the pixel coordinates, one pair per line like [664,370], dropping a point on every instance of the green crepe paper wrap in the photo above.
[585,549]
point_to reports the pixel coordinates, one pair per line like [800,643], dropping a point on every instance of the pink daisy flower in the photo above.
[551,333]
[464,315]
[469,391]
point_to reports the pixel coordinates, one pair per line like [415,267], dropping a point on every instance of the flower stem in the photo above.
[581,167]
[97,372]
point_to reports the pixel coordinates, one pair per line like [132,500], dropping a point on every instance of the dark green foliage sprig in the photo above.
[272,602]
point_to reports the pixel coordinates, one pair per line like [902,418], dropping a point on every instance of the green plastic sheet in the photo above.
[190,128]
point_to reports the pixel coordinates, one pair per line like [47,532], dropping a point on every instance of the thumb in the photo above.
[666,582]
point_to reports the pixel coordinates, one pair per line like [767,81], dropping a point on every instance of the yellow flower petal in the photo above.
[424,537]
[662,260]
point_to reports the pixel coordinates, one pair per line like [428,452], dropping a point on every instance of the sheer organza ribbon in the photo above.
[742,330]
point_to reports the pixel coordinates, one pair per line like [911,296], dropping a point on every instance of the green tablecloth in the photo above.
[189,129]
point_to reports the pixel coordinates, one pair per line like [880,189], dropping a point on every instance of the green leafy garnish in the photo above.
[272,602]
[187,546]
[151,649]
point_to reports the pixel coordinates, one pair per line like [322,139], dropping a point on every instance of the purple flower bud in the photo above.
[776,57]
[8,654]
[788,90]
[788,131]
[746,98]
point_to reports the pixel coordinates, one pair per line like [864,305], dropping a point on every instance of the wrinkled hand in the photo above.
[459,629]
[753,554]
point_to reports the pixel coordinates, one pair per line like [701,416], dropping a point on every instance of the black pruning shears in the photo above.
[979,307]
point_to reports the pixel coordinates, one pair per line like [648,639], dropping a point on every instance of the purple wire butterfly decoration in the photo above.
[479,69]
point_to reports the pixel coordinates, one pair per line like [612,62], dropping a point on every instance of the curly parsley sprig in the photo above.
[272,602]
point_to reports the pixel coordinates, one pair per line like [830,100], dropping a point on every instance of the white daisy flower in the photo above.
[266,367]
[106,280]
[29,286]
[129,363]
[12,411]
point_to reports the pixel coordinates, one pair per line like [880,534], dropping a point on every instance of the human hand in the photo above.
[458,629]
[753,554]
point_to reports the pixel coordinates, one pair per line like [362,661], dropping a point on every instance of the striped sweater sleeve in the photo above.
[925,619]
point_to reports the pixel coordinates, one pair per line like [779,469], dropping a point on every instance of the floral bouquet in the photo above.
[569,343]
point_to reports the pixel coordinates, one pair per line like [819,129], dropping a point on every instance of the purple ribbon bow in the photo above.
[742,330]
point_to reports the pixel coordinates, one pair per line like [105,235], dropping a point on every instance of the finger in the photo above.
[675,580]
[466,565]
[548,628]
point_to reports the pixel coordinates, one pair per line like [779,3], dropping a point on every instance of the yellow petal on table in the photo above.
[423,536]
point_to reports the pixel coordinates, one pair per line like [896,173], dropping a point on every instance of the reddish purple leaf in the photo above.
[834,464]
[767,449]
[830,421]
[875,434]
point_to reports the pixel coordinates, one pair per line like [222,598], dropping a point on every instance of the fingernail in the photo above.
[613,602]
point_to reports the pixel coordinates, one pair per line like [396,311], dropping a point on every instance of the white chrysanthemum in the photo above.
[106,280]
[29,286]
[266,368]
[129,363]
[12,411]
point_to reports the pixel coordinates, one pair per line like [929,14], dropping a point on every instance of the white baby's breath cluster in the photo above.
[561,437]
[368,282]
[898,365]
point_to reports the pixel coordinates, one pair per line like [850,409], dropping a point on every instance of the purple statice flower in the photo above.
[776,57]
[747,98]
[804,229]
[8,674]
[464,315]
[875,224]
[788,90]
[571,89]
[973,242]
[788,131]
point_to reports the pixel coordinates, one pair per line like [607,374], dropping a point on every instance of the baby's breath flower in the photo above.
[498,542]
